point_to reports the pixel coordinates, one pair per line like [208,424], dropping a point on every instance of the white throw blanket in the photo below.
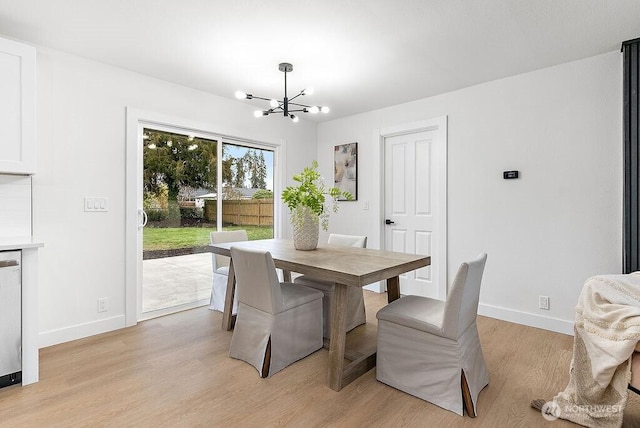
[607,329]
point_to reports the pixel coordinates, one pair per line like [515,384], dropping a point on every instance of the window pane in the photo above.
[247,183]
[180,173]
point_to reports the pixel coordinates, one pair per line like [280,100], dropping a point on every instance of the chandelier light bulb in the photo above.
[241,95]
[274,103]
[294,118]
[308,91]
[314,109]
[325,109]
[258,113]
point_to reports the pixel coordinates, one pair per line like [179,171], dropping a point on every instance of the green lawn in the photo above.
[166,238]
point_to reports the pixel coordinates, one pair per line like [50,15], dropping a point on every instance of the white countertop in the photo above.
[19,243]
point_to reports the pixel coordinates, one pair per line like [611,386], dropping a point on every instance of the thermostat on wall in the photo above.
[509,174]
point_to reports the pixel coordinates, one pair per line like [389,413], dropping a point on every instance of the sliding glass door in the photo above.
[183,176]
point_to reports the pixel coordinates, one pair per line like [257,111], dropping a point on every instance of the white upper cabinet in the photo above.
[17,108]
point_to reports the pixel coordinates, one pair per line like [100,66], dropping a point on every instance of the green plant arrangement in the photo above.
[307,199]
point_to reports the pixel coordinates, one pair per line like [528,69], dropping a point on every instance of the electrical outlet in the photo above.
[544,302]
[103,304]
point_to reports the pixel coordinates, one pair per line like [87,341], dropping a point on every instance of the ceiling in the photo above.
[358,55]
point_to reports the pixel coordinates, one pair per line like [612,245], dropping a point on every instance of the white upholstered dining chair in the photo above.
[221,269]
[277,323]
[355,299]
[431,349]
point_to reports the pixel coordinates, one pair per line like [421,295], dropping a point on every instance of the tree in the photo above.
[258,170]
[240,172]
[249,169]
[231,193]
[227,170]
[178,160]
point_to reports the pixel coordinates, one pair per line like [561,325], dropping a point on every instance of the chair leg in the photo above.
[267,360]
[466,396]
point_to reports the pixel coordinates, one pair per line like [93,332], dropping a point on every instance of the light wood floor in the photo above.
[175,371]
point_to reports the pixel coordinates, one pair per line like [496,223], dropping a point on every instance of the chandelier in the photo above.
[286,106]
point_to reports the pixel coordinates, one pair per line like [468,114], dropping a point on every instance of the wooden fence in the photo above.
[241,212]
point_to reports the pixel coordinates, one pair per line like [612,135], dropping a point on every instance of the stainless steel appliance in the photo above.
[10,318]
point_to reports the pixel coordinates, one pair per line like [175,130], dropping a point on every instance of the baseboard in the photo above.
[528,319]
[172,310]
[79,331]
[518,317]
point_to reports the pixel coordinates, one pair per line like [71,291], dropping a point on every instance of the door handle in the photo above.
[8,263]
[387,221]
[144,219]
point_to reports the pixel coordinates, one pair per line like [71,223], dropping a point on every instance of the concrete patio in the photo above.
[174,281]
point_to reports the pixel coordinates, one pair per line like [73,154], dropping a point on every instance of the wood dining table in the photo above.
[347,267]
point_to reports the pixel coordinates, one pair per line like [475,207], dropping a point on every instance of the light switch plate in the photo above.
[95,204]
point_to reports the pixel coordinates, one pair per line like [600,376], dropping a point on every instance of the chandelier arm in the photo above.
[259,98]
[302,110]
[299,105]
[301,93]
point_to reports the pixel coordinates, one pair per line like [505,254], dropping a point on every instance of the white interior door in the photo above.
[415,166]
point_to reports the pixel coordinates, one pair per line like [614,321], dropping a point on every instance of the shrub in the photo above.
[156,201]
[191,213]
[156,205]
[263,194]
[156,214]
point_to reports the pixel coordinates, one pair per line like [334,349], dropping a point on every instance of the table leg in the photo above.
[341,375]
[393,289]
[338,337]
[228,319]
[286,275]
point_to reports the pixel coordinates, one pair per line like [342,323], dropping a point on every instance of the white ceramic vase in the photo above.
[306,228]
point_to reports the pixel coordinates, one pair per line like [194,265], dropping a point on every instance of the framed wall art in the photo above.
[345,169]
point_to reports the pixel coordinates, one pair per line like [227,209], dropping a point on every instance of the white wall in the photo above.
[81,152]
[15,205]
[544,233]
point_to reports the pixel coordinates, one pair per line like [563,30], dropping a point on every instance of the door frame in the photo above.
[133,189]
[439,125]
